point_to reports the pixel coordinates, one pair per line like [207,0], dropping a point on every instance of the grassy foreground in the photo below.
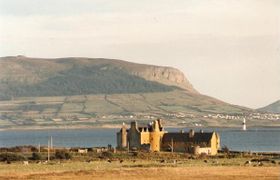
[141,168]
[93,171]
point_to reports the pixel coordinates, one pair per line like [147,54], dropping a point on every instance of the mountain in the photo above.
[272,108]
[29,77]
[91,92]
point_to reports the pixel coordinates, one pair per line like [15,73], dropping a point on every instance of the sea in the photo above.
[254,139]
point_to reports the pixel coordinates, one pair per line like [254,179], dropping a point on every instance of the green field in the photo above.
[175,107]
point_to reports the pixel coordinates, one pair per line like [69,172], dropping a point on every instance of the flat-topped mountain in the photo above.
[27,77]
[91,92]
[271,108]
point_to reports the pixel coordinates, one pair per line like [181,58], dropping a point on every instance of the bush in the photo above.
[135,153]
[34,149]
[203,156]
[11,157]
[225,149]
[36,156]
[62,155]
[106,154]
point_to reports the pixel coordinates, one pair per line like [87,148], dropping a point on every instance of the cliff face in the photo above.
[166,75]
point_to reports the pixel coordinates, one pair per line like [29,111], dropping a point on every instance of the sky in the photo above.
[228,49]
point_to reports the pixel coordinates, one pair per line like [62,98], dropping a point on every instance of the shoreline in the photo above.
[119,126]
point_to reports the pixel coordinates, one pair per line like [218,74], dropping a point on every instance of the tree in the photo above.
[62,155]
[36,156]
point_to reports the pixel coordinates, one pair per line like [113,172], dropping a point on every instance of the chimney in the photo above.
[156,126]
[133,125]
[159,123]
[191,133]
[123,127]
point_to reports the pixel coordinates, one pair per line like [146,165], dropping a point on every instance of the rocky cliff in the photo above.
[165,75]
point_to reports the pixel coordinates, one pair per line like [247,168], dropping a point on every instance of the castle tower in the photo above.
[160,124]
[134,136]
[191,133]
[155,136]
[123,136]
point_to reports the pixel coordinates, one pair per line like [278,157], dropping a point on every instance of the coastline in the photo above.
[119,126]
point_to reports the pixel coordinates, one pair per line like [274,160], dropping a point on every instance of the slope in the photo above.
[272,108]
[93,92]
[21,76]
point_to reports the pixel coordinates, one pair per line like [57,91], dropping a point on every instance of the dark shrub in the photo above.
[34,149]
[106,154]
[36,156]
[68,155]
[11,157]
[62,155]
[203,156]
[135,153]
[225,149]
[90,149]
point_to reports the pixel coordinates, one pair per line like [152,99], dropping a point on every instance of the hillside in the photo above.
[94,92]
[29,77]
[272,108]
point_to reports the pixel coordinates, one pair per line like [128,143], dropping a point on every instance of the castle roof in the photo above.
[198,137]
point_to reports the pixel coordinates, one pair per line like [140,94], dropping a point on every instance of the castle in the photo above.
[154,138]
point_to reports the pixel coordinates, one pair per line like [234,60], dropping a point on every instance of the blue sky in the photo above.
[229,49]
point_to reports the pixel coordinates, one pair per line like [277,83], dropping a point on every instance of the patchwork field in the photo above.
[96,92]
[176,107]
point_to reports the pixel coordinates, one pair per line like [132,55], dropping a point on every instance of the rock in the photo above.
[273,162]
[248,163]
[165,75]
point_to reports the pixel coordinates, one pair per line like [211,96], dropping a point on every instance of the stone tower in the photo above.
[155,136]
[191,133]
[123,136]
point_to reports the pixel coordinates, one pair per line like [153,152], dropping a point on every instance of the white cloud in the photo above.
[238,39]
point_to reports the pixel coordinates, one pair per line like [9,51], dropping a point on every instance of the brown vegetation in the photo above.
[123,165]
[160,173]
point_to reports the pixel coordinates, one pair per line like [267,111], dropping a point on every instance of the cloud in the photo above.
[228,49]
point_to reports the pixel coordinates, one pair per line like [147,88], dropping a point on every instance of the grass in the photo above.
[140,169]
[142,165]
[163,105]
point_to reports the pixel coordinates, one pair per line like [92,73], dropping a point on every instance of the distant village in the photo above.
[259,116]
[179,118]
[184,117]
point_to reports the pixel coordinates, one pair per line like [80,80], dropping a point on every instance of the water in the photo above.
[61,138]
[254,139]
